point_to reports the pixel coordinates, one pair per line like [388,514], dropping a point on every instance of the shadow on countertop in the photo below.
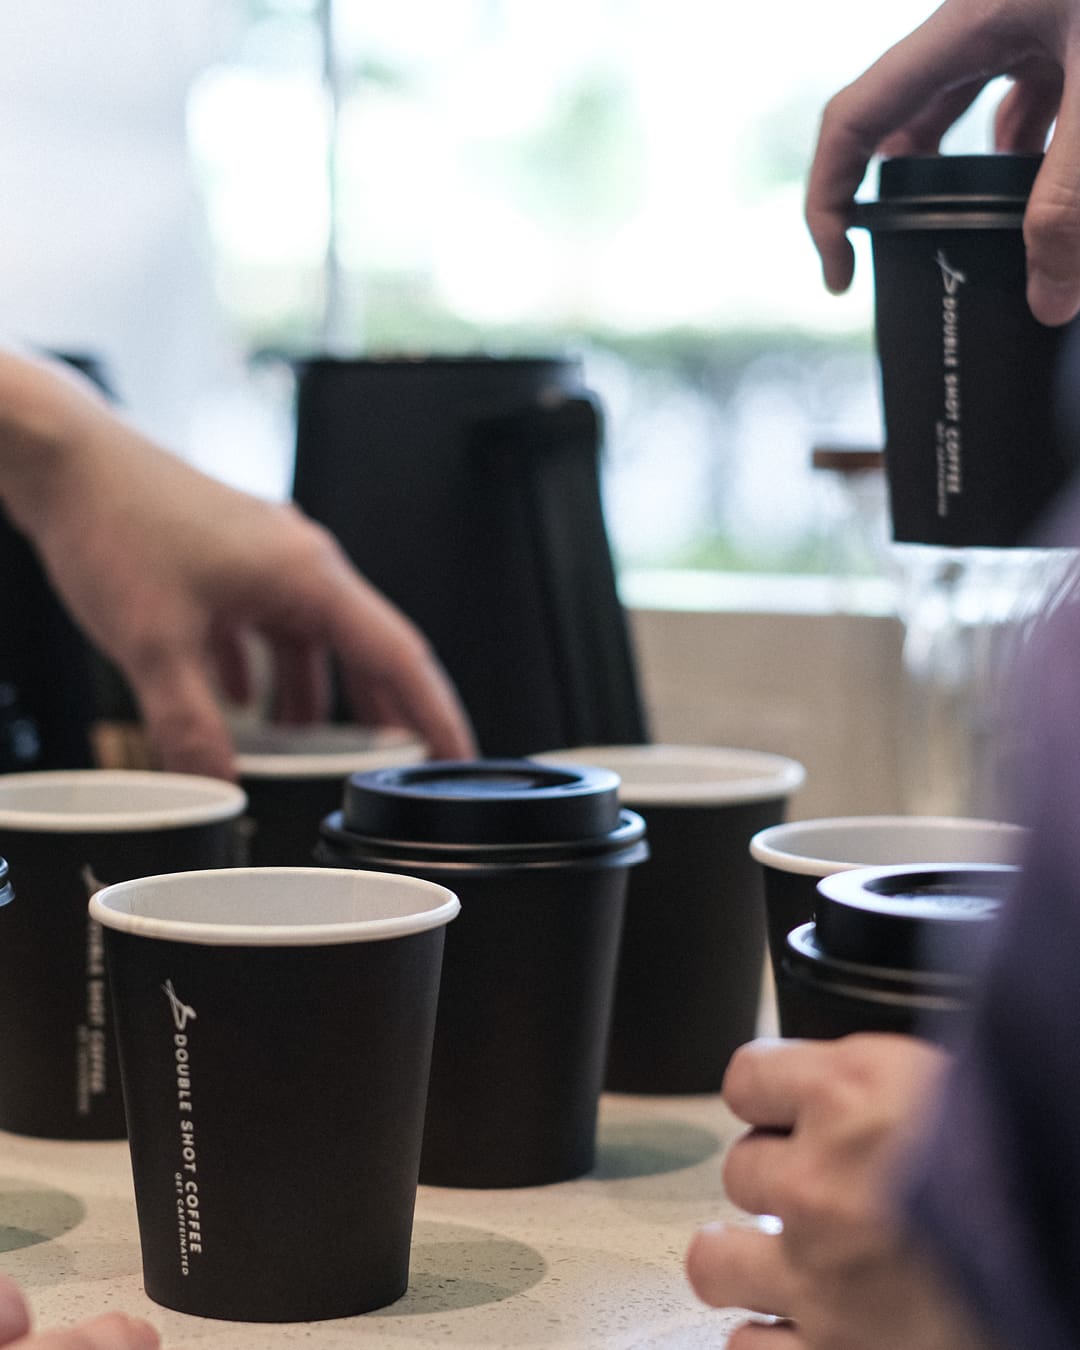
[33,1214]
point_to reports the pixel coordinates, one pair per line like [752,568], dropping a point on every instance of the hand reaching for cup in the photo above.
[906,101]
[168,571]
[831,1123]
[112,1331]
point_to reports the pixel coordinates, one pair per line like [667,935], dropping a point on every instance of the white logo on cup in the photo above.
[951,276]
[182,1013]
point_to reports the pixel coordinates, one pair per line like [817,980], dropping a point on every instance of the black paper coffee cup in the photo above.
[688,988]
[794,857]
[893,949]
[539,855]
[65,834]
[973,456]
[275,1033]
[294,777]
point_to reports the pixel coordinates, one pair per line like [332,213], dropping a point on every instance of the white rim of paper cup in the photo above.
[128,907]
[784,847]
[688,775]
[93,801]
[385,748]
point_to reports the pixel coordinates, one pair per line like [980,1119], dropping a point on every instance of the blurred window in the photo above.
[621,178]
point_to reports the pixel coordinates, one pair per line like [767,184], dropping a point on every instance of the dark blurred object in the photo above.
[20,740]
[467,490]
[51,679]
[45,664]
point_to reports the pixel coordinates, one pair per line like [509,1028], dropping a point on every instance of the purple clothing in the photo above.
[996,1193]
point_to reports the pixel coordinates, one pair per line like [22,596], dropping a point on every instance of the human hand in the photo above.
[832,1122]
[906,101]
[169,572]
[113,1331]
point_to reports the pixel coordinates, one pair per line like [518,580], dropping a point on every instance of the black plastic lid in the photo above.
[958,191]
[907,918]
[492,801]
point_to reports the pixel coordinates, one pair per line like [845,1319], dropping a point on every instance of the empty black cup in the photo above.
[274,1026]
[972,453]
[65,834]
[689,984]
[539,856]
[293,777]
[892,949]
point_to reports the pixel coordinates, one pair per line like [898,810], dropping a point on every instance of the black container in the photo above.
[973,455]
[892,949]
[65,834]
[688,990]
[275,1032]
[539,857]
[467,489]
[294,776]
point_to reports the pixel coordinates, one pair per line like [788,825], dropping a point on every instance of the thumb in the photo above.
[1052,219]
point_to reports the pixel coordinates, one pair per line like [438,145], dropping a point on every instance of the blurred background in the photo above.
[195,188]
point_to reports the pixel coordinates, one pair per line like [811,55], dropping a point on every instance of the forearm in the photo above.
[48,415]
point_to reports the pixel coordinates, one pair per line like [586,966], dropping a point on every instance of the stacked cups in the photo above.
[796,856]
[893,949]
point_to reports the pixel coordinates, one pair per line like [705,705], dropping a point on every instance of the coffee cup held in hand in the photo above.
[973,455]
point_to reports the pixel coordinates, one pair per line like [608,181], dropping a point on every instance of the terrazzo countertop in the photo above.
[592,1263]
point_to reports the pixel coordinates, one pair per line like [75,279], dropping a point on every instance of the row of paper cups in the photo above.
[286,1080]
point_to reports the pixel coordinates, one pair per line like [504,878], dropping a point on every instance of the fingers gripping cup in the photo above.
[539,855]
[65,834]
[972,454]
[893,949]
[275,1031]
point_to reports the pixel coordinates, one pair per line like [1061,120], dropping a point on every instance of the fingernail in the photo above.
[1052,301]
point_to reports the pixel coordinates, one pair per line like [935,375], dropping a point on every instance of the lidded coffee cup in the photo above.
[539,856]
[973,456]
[893,949]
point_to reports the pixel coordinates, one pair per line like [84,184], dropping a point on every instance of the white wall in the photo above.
[103,236]
[822,688]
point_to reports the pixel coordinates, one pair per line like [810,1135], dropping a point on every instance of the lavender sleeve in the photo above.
[995,1194]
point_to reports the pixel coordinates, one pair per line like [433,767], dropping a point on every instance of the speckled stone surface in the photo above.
[592,1263]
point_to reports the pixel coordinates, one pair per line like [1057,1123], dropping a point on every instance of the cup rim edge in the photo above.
[281,935]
